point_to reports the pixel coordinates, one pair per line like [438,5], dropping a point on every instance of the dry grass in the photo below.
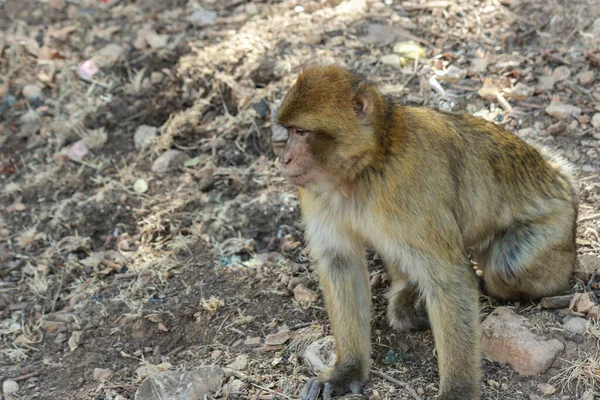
[28,237]
[581,375]
[212,304]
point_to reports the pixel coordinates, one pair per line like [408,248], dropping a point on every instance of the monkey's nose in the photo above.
[287,160]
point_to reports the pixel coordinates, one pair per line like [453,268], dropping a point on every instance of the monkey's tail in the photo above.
[558,162]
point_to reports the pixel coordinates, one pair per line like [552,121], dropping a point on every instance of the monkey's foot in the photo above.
[404,322]
[313,388]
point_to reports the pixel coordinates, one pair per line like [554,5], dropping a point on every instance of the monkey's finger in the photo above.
[311,390]
[327,391]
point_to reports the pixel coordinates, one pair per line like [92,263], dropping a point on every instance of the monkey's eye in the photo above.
[299,132]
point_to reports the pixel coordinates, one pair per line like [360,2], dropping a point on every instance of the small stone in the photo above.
[576,325]
[391,59]
[562,111]
[352,6]
[169,160]
[216,354]
[507,340]
[519,92]
[451,74]
[479,65]
[489,93]
[546,389]
[77,298]
[581,303]
[50,326]
[10,387]
[57,4]
[140,186]
[144,136]
[252,341]
[102,374]
[304,295]
[32,92]
[493,384]
[312,39]
[203,18]
[240,363]
[556,128]
[107,56]
[586,78]
[596,120]
[420,391]
[178,385]
[594,313]
[156,77]
[279,338]
[75,340]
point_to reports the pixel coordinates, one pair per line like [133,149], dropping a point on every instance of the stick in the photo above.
[26,376]
[271,391]
[405,385]
[589,218]
[556,301]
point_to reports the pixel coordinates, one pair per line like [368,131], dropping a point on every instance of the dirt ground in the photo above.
[105,264]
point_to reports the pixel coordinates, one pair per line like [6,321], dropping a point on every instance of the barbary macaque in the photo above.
[423,188]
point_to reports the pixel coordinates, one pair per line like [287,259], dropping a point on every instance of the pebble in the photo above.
[32,92]
[391,59]
[546,389]
[179,385]
[581,303]
[576,325]
[169,160]
[305,295]
[562,111]
[278,338]
[586,78]
[507,340]
[9,387]
[596,120]
[203,18]
[144,136]
[102,374]
[240,363]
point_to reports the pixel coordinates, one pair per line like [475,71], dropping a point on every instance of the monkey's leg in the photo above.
[345,283]
[453,304]
[531,260]
[403,312]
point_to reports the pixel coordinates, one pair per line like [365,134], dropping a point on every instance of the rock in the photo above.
[156,77]
[102,374]
[203,18]
[140,186]
[169,160]
[596,124]
[319,355]
[240,363]
[75,340]
[586,78]
[252,341]
[409,50]
[507,340]
[562,111]
[107,56]
[391,59]
[144,136]
[383,35]
[576,325]
[451,74]
[493,384]
[559,74]
[312,38]
[87,69]
[57,4]
[304,295]
[581,303]
[489,93]
[546,389]
[594,313]
[31,92]
[519,92]
[352,6]
[234,387]
[279,338]
[179,385]
[420,391]
[479,65]
[9,387]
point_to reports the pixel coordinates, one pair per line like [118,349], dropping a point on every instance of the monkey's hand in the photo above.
[335,382]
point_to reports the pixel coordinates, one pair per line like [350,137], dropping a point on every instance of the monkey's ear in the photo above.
[361,103]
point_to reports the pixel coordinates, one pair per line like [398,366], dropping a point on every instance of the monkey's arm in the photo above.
[343,276]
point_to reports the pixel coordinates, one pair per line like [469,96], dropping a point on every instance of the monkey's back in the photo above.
[490,177]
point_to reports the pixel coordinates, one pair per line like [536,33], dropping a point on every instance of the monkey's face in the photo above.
[330,135]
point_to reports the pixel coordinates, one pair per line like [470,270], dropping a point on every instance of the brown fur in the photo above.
[421,187]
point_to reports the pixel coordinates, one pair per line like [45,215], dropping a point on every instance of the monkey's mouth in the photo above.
[298,179]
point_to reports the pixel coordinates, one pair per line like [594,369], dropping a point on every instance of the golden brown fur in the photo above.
[421,187]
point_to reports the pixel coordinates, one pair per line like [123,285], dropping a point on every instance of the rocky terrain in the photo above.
[148,240]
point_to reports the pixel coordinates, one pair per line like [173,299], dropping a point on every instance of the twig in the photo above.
[26,376]
[271,391]
[504,103]
[589,218]
[405,385]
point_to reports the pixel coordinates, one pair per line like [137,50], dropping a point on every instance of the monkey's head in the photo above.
[330,115]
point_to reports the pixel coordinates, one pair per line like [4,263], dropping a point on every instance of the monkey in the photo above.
[424,188]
